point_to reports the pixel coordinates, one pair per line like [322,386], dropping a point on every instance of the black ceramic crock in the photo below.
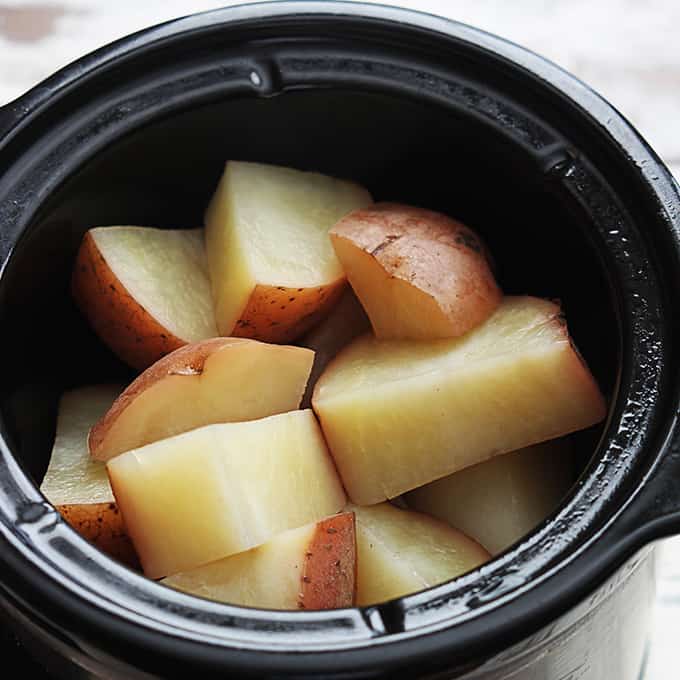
[572,202]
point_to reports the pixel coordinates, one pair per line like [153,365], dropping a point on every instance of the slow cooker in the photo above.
[569,197]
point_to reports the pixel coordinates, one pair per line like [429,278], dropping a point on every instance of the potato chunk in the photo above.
[144,291]
[401,552]
[222,489]
[79,486]
[273,270]
[213,381]
[504,498]
[419,274]
[399,414]
[313,567]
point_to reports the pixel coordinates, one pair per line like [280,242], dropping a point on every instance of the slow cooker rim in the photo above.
[70,76]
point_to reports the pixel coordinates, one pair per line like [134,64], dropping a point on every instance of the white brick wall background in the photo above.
[628,50]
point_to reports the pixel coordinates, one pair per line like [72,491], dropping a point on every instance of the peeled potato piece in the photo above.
[504,498]
[401,552]
[144,291]
[346,321]
[312,567]
[419,274]
[222,489]
[78,486]
[274,273]
[213,381]
[399,414]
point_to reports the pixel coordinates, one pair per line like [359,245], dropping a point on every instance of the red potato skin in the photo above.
[437,255]
[281,314]
[116,317]
[102,524]
[330,572]
[187,360]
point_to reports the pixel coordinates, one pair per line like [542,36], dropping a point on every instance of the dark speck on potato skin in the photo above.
[389,239]
[469,240]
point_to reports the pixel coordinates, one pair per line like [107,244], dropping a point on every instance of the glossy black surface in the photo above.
[569,198]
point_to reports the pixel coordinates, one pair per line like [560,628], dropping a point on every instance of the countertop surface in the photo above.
[627,50]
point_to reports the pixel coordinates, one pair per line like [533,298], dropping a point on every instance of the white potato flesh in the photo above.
[267,576]
[311,567]
[399,414]
[504,498]
[165,271]
[72,477]
[268,225]
[221,489]
[401,552]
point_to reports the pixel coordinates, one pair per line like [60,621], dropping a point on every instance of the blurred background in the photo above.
[627,50]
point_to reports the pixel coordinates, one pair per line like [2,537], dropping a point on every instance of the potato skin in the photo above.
[117,318]
[187,360]
[430,252]
[102,524]
[281,314]
[329,576]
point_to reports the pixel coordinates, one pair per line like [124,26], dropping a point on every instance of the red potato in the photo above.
[503,498]
[213,381]
[222,489]
[419,274]
[399,414]
[313,567]
[274,273]
[78,486]
[401,552]
[144,291]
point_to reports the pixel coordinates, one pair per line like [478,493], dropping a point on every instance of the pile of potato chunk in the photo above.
[336,404]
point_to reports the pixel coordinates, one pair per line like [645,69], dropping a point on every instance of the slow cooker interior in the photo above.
[163,174]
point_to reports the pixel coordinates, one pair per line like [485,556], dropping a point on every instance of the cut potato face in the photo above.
[273,270]
[144,291]
[401,552]
[399,414]
[419,274]
[222,489]
[214,381]
[346,321]
[502,499]
[312,567]
[78,486]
